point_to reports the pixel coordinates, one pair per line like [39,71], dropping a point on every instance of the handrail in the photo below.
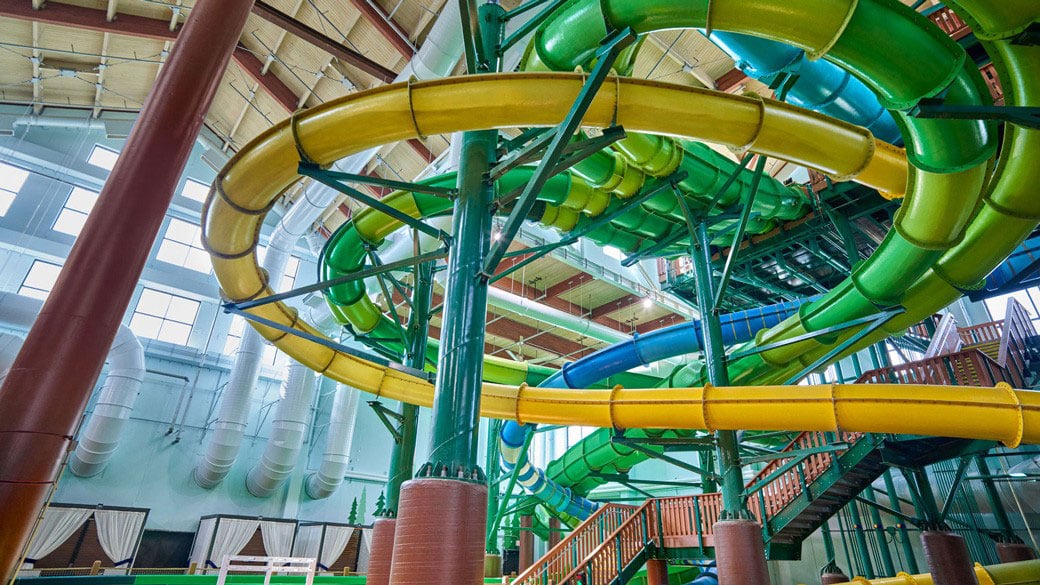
[946,338]
[577,546]
[618,549]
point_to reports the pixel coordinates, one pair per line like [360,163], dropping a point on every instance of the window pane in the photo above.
[42,275]
[182,245]
[164,316]
[153,302]
[103,157]
[174,332]
[12,178]
[32,292]
[6,199]
[81,200]
[145,325]
[182,310]
[172,252]
[195,190]
[70,222]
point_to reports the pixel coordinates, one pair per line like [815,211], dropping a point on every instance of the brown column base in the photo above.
[833,578]
[740,554]
[554,532]
[1009,552]
[526,544]
[656,572]
[382,553]
[492,566]
[440,532]
[948,558]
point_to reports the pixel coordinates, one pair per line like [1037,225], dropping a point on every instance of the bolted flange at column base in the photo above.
[948,558]
[740,554]
[440,532]
[492,566]
[1013,552]
[382,554]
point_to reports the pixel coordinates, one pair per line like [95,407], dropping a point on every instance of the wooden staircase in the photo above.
[793,495]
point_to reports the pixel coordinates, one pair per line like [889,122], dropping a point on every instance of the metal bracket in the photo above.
[636,445]
[1027,116]
[385,415]
[335,180]
[606,56]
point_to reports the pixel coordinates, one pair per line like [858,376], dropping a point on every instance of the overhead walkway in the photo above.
[810,480]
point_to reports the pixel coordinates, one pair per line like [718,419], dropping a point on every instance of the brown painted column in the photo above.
[49,384]
[554,532]
[526,544]
[740,553]
[948,559]
[656,572]
[1013,552]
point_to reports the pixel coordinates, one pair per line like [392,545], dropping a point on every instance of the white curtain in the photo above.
[232,535]
[365,552]
[278,537]
[336,539]
[57,526]
[308,540]
[118,532]
[203,537]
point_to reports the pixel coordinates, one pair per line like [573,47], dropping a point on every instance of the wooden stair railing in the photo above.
[618,550]
[576,547]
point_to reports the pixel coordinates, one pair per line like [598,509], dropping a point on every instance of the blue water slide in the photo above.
[621,357]
[821,85]
[1020,270]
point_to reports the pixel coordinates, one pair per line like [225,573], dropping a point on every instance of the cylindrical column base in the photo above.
[740,554]
[656,572]
[492,566]
[948,558]
[554,532]
[440,532]
[1013,552]
[381,556]
[833,578]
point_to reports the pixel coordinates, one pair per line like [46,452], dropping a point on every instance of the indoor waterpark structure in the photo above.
[519,292]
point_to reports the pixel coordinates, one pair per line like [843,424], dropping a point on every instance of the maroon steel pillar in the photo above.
[526,544]
[657,572]
[49,383]
[554,532]
[948,559]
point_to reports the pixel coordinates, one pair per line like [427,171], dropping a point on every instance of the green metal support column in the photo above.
[860,537]
[402,457]
[888,568]
[995,502]
[904,534]
[493,473]
[456,405]
[714,360]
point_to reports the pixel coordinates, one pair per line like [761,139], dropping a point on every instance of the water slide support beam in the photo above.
[904,534]
[65,350]
[996,504]
[402,457]
[606,55]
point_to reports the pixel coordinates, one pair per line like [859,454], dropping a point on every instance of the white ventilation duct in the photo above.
[99,438]
[288,431]
[336,460]
[436,58]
